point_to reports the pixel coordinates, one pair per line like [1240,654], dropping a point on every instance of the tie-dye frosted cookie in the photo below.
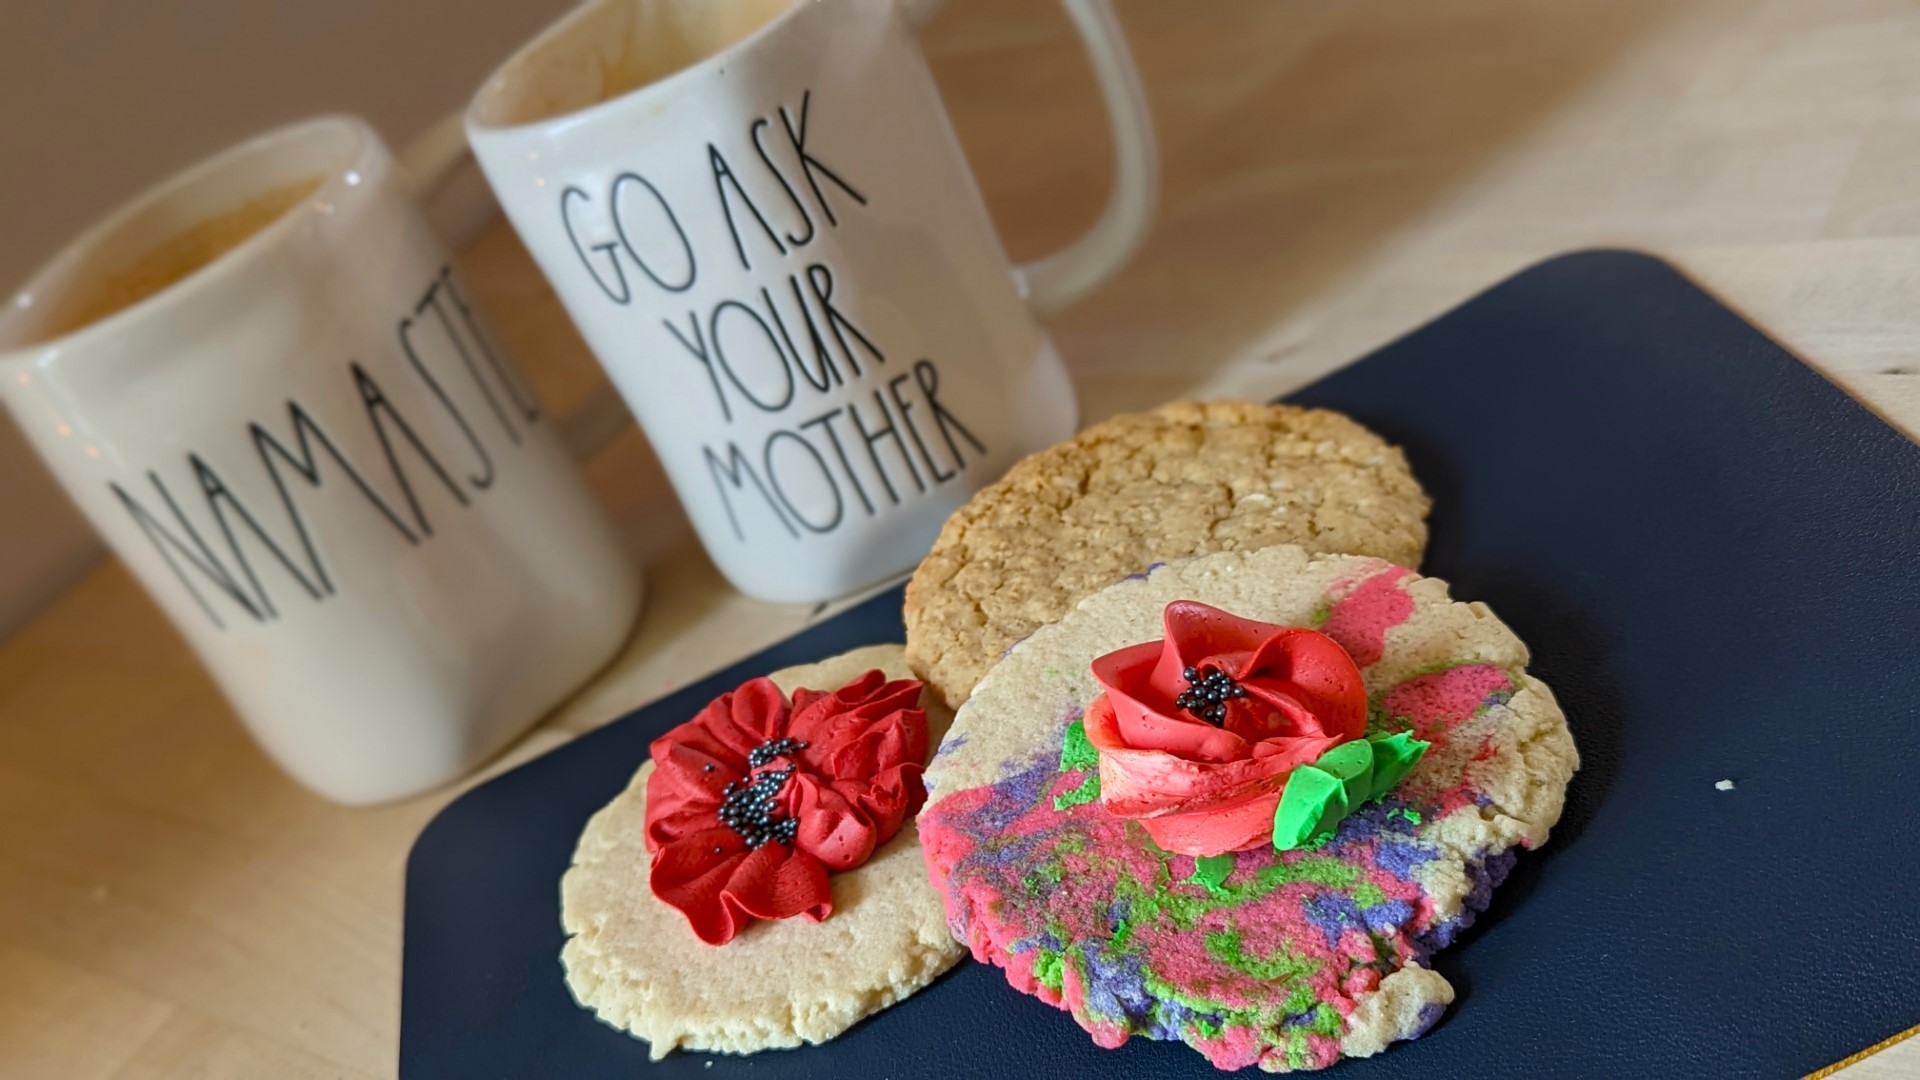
[1284,959]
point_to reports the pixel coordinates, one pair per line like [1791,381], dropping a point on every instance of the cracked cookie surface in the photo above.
[1181,480]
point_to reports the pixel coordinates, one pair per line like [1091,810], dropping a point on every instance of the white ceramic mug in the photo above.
[316,458]
[761,220]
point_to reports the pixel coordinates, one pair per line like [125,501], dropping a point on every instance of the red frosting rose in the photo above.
[1198,732]
[754,801]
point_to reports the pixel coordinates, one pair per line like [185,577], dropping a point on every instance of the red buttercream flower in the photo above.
[754,801]
[1198,732]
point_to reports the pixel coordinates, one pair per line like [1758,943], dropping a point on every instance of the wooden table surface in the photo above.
[1336,173]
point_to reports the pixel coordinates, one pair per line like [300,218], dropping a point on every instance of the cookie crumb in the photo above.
[1724,785]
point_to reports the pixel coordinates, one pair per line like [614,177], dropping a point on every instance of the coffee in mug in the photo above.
[179,256]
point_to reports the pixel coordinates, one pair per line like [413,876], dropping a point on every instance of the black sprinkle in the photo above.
[1206,696]
[748,808]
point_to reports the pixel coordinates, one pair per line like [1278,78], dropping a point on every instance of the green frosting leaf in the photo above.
[1311,804]
[1210,872]
[1075,751]
[1351,764]
[1393,757]
[1317,796]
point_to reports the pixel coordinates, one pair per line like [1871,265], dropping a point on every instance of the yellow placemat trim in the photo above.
[1865,1054]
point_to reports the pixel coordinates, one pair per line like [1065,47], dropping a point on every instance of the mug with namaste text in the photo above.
[269,391]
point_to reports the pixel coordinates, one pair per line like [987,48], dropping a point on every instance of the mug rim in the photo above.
[360,160]
[477,126]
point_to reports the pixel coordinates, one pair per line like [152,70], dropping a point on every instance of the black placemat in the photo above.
[1712,551]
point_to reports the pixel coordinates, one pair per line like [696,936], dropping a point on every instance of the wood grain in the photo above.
[1336,173]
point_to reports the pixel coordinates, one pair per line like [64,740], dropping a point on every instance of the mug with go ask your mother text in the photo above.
[759,216]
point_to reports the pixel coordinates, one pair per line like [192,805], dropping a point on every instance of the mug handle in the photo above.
[1055,281]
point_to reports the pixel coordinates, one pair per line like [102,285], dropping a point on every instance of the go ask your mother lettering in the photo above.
[855,427]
